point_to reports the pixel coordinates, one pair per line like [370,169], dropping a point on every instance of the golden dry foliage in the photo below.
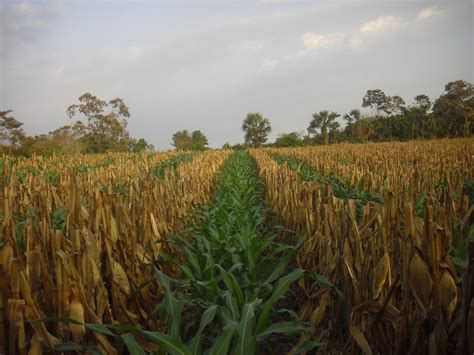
[394,166]
[116,217]
[402,292]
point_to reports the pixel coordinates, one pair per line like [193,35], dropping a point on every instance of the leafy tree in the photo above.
[455,108]
[141,145]
[323,120]
[418,113]
[256,129]
[11,133]
[105,130]
[396,105]
[292,139]
[183,140]
[199,140]
[353,122]
[383,104]
[333,131]
[62,140]
[377,100]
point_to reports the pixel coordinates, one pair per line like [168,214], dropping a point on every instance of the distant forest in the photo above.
[101,126]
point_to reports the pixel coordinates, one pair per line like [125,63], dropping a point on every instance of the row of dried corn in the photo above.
[398,167]
[88,268]
[401,291]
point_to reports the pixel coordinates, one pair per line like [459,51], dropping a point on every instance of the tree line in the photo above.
[101,126]
[391,118]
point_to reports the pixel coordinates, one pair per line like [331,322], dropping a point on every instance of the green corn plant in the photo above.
[234,272]
[59,219]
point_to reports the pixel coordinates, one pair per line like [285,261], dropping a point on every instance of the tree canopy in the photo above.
[325,121]
[455,107]
[106,126]
[292,139]
[183,140]
[11,133]
[256,129]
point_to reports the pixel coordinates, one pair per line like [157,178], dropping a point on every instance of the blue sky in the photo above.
[205,65]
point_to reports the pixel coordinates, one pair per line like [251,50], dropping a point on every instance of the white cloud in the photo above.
[247,47]
[378,25]
[313,40]
[269,64]
[26,21]
[427,13]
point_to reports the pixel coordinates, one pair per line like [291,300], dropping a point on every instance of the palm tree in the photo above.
[322,120]
[352,119]
[256,129]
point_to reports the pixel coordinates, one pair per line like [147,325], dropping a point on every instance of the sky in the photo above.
[206,64]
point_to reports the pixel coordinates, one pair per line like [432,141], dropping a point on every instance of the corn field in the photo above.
[356,248]
[79,244]
[396,259]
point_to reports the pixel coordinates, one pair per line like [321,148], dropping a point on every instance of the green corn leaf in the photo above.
[206,318]
[133,347]
[231,305]
[279,291]
[173,345]
[222,342]
[232,284]
[282,328]
[122,327]
[279,268]
[187,272]
[172,308]
[193,260]
[99,328]
[246,340]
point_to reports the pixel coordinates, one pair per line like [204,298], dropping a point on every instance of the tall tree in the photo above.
[199,140]
[183,140]
[455,108]
[383,104]
[377,100]
[333,129]
[11,133]
[396,105]
[141,145]
[256,129]
[105,130]
[418,112]
[323,120]
[353,121]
